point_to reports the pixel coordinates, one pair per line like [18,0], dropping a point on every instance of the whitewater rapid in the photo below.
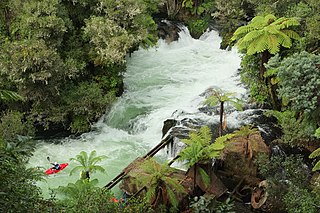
[159,82]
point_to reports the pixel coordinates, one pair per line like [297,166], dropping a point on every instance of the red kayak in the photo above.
[53,171]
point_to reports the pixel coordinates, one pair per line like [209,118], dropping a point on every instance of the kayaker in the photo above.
[56,166]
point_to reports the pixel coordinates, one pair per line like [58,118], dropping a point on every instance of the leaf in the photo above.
[315,153]
[316,167]
[7,95]
[204,176]
[317,134]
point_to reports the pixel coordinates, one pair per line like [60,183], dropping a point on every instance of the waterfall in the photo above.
[160,83]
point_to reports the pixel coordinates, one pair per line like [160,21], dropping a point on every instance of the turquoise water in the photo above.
[159,81]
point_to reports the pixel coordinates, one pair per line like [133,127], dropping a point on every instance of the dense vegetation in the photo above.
[54,53]
[57,52]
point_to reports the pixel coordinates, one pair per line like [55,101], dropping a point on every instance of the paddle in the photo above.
[48,158]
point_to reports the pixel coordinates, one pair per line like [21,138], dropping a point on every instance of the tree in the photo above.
[299,83]
[17,189]
[116,32]
[88,164]
[199,148]
[266,35]
[160,182]
[250,144]
[219,96]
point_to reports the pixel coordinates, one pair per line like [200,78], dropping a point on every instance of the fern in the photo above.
[315,154]
[317,134]
[88,163]
[266,34]
[157,178]
[6,95]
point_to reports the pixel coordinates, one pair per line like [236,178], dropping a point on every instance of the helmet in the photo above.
[55,163]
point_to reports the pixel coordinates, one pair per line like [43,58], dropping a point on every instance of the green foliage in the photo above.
[249,75]
[208,204]
[77,191]
[296,130]
[159,180]
[220,96]
[40,20]
[32,65]
[11,125]
[299,200]
[299,81]
[266,34]
[83,196]
[198,26]
[92,105]
[198,7]
[314,154]
[278,8]
[54,51]
[6,96]
[225,207]
[288,183]
[200,147]
[17,189]
[110,41]
[317,134]
[117,31]
[88,164]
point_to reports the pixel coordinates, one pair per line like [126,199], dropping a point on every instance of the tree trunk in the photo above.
[194,177]
[264,59]
[221,117]
[267,80]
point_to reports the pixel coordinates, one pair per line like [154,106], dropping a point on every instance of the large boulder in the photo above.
[240,153]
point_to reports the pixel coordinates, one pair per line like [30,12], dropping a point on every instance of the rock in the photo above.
[167,125]
[239,155]
[168,31]
[216,188]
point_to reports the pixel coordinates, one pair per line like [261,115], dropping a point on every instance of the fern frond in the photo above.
[172,197]
[212,100]
[151,193]
[75,169]
[284,40]
[242,31]
[315,153]
[316,167]
[268,19]
[317,134]
[258,46]
[283,23]
[174,184]
[291,34]
[273,44]
[257,20]
[204,176]
[7,95]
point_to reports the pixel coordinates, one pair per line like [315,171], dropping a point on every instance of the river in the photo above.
[158,83]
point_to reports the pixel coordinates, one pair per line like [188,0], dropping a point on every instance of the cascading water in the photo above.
[158,82]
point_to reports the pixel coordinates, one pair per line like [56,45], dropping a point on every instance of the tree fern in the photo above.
[88,164]
[220,96]
[159,180]
[266,34]
[200,149]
